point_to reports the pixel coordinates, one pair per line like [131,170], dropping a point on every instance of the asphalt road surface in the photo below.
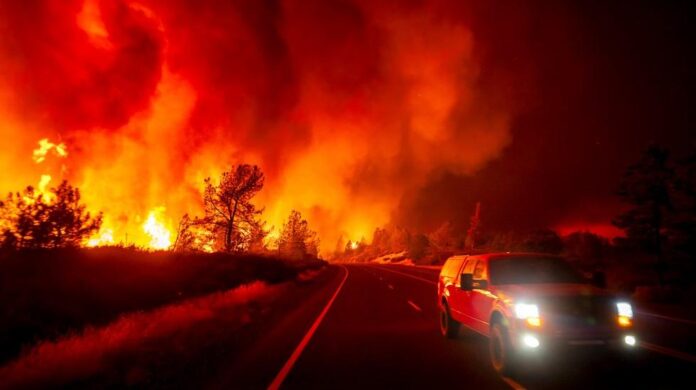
[375,326]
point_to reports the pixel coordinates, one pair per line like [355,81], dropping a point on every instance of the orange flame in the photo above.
[353,131]
[155,228]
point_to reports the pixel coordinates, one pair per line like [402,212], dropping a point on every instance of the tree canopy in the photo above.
[46,220]
[296,239]
[229,212]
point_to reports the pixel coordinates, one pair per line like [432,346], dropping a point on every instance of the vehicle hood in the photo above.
[518,292]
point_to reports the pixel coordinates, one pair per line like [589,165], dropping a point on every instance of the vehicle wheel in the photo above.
[501,352]
[448,326]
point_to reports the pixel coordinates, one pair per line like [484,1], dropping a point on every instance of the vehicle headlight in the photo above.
[625,317]
[630,340]
[530,341]
[625,309]
[528,312]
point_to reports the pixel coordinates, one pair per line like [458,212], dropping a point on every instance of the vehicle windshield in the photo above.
[532,270]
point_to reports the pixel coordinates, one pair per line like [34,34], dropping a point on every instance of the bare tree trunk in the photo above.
[230,228]
[179,232]
[658,246]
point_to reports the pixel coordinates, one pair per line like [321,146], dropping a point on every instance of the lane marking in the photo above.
[390,286]
[668,351]
[413,305]
[410,276]
[645,313]
[512,383]
[278,380]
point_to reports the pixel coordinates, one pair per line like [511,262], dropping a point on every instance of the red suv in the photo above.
[525,302]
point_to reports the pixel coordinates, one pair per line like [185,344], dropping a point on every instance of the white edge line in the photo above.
[512,383]
[668,352]
[413,305]
[410,276]
[280,377]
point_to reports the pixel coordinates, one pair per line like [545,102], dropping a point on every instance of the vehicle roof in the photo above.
[508,254]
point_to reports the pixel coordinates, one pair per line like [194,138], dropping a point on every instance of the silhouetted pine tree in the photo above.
[296,239]
[229,213]
[646,188]
[54,220]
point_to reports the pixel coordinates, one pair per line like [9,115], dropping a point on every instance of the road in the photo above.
[372,326]
[346,326]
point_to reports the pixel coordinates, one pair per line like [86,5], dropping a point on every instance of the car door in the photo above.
[482,299]
[462,299]
[453,289]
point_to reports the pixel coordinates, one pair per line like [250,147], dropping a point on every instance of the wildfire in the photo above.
[272,238]
[45,146]
[104,237]
[44,189]
[153,97]
[160,236]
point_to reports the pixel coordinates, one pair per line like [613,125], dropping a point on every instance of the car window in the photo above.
[452,267]
[469,268]
[532,270]
[460,266]
[480,270]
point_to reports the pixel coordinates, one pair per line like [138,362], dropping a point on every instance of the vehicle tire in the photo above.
[501,353]
[448,326]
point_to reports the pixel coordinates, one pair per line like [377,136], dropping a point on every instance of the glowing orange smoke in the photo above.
[151,97]
[89,19]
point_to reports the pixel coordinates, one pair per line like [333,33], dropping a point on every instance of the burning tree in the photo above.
[229,213]
[185,236]
[296,239]
[54,219]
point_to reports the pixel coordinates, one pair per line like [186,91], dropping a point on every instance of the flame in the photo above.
[44,190]
[160,236]
[271,239]
[45,146]
[204,241]
[104,237]
[182,95]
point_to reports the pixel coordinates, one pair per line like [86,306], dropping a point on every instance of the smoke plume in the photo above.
[346,105]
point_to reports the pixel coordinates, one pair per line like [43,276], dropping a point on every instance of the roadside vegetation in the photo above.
[231,222]
[52,284]
[47,293]
[144,348]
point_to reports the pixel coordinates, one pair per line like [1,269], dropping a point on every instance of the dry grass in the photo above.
[47,294]
[187,326]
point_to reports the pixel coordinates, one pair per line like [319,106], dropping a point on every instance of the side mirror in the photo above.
[599,279]
[466,282]
[480,284]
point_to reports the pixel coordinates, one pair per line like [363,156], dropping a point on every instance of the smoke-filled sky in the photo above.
[360,112]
